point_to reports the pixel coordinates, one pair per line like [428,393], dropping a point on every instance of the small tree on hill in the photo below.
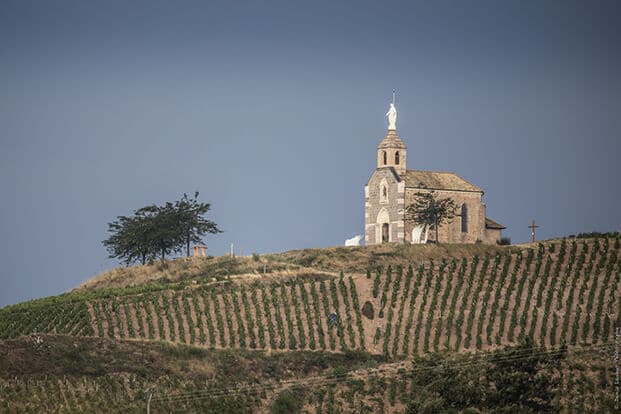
[154,230]
[430,210]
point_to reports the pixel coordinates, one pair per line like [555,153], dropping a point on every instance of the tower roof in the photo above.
[392,140]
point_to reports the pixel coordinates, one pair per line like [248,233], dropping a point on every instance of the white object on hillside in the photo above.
[417,232]
[354,241]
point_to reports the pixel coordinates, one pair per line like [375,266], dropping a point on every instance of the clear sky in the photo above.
[273,111]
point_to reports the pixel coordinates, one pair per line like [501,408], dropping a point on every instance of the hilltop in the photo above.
[335,311]
[355,259]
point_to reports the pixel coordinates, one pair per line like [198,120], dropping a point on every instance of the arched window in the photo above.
[385,158]
[397,157]
[385,232]
[382,227]
[464,218]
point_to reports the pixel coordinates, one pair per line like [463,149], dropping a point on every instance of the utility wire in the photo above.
[324,380]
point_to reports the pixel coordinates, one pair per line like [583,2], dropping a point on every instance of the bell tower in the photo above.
[392,152]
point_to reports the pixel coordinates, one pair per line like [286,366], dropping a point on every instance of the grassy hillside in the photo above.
[371,307]
[325,260]
[62,374]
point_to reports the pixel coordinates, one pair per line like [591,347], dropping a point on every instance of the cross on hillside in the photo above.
[532,228]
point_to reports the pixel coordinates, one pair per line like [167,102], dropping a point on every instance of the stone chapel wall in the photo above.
[451,232]
[393,205]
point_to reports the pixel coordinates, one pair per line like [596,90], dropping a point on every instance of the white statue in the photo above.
[417,234]
[354,241]
[392,117]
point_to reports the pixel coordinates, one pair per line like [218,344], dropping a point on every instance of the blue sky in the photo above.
[273,111]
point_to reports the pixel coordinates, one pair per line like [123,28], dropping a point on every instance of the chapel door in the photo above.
[385,230]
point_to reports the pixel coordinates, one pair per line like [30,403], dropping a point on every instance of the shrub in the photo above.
[367,310]
[287,402]
[597,234]
[504,241]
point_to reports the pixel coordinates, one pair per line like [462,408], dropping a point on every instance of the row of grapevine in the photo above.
[474,301]
[561,294]
[443,304]
[286,315]
[566,292]
[432,306]
[70,319]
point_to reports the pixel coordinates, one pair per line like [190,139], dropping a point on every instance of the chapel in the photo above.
[392,187]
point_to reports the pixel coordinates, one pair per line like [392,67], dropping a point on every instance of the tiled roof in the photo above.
[435,180]
[392,140]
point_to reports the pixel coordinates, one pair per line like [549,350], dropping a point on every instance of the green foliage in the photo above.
[430,210]
[348,311]
[249,320]
[289,401]
[318,317]
[339,317]
[268,316]
[257,309]
[597,234]
[523,377]
[278,316]
[219,321]
[367,310]
[292,340]
[156,231]
[356,305]
[241,329]
[520,379]
[376,282]
[327,311]
[298,317]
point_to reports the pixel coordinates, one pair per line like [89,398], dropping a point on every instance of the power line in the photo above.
[324,380]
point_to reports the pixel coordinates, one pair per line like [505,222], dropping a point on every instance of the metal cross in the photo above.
[532,228]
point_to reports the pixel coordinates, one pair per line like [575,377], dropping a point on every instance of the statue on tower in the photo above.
[392,117]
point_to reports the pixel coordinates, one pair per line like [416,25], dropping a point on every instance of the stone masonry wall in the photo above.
[374,205]
[451,232]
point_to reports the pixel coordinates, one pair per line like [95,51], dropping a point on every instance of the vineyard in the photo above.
[317,382]
[562,293]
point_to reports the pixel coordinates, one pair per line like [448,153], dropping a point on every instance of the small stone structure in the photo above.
[199,251]
[392,187]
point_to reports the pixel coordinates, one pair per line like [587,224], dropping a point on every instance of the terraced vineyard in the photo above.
[564,292]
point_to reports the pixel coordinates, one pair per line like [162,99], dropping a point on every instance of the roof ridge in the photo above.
[439,172]
[441,180]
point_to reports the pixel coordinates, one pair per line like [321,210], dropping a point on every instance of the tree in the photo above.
[163,232]
[154,230]
[430,210]
[130,239]
[192,225]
